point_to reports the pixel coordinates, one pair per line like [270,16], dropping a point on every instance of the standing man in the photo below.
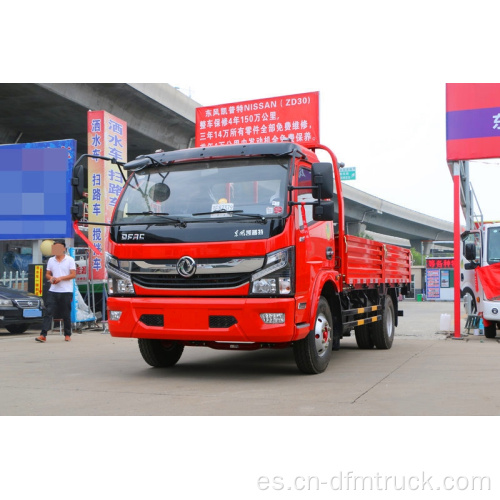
[61,271]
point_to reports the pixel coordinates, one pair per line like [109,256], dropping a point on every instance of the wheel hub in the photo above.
[322,334]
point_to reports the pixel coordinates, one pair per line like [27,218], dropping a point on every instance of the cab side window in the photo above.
[305,194]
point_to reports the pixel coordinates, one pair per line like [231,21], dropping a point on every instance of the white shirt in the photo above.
[59,269]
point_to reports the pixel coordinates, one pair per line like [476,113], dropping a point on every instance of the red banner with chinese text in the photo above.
[293,117]
[107,136]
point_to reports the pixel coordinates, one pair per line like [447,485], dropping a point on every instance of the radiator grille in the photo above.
[27,303]
[203,281]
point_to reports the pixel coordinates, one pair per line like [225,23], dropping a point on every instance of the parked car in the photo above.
[20,310]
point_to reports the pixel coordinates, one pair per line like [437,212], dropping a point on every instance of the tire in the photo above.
[20,328]
[364,337]
[490,332]
[336,343]
[312,353]
[160,353]
[382,332]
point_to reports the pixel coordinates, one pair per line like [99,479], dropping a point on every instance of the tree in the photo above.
[417,258]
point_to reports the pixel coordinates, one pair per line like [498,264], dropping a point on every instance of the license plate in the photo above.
[32,313]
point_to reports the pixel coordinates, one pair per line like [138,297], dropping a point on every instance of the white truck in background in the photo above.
[480,248]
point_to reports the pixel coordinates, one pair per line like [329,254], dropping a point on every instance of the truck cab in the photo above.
[211,246]
[480,248]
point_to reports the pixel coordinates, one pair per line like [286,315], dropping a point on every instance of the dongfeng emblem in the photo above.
[186,267]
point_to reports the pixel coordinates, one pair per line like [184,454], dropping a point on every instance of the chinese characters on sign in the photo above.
[293,117]
[81,272]
[38,280]
[433,287]
[496,121]
[107,136]
[439,263]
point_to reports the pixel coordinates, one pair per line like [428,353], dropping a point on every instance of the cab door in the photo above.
[314,239]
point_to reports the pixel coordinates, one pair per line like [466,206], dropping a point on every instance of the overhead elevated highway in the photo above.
[158,116]
[365,212]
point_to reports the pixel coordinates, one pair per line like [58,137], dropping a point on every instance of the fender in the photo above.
[324,279]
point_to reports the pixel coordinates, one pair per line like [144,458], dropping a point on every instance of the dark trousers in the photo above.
[58,306]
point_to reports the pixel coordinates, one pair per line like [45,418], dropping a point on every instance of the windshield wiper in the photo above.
[176,220]
[239,213]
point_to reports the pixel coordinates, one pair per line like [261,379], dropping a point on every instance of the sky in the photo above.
[382,83]
[380,67]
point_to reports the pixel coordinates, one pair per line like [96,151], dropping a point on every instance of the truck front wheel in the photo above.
[382,332]
[490,331]
[312,353]
[160,353]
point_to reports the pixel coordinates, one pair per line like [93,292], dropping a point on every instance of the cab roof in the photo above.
[213,152]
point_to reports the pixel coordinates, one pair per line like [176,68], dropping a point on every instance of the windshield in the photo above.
[206,190]
[493,250]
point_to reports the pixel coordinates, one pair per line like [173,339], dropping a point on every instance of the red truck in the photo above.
[244,247]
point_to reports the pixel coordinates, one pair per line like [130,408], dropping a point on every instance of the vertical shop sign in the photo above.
[39,280]
[287,118]
[107,136]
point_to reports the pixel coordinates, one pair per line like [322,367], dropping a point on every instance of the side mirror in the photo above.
[322,180]
[324,211]
[470,266]
[78,181]
[470,251]
[77,210]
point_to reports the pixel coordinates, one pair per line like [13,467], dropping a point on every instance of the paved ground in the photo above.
[425,373]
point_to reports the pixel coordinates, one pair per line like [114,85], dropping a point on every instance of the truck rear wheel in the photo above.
[363,337]
[160,353]
[312,353]
[382,332]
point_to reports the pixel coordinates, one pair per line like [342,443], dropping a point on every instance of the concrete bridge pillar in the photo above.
[355,228]
[422,246]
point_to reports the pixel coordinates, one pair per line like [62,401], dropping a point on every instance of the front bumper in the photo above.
[18,316]
[207,319]
[491,310]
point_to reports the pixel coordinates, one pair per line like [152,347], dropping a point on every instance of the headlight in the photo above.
[119,282]
[6,303]
[276,277]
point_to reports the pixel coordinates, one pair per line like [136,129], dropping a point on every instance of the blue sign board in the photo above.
[348,174]
[35,190]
